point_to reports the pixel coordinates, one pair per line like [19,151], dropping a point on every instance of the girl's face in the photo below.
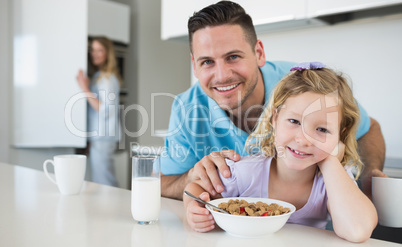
[98,54]
[307,129]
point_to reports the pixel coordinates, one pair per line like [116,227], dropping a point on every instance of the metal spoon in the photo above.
[204,202]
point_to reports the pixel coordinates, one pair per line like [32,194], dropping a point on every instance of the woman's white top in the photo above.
[105,124]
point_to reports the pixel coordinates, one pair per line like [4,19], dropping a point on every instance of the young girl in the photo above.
[306,149]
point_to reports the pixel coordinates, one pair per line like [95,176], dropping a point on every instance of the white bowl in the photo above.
[250,226]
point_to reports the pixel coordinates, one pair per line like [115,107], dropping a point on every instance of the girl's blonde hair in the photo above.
[322,81]
[110,67]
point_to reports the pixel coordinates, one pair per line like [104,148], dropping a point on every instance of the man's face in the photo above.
[227,66]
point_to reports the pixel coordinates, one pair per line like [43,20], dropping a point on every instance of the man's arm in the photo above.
[206,170]
[371,149]
[172,186]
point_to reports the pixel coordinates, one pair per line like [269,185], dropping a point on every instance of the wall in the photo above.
[157,70]
[5,73]
[368,51]
[162,67]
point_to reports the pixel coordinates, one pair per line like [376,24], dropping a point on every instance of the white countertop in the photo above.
[33,213]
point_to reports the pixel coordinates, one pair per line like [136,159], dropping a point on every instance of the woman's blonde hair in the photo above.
[322,81]
[110,66]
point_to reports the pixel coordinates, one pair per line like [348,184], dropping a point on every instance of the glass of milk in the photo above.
[146,189]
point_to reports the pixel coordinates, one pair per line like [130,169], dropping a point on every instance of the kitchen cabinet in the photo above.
[272,11]
[327,7]
[110,19]
[174,23]
[268,15]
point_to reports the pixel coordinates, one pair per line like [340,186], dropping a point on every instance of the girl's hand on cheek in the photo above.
[336,155]
[339,151]
[198,217]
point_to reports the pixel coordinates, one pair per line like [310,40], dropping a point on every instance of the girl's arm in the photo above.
[353,215]
[198,217]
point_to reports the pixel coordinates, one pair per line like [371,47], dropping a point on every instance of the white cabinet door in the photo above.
[272,11]
[273,15]
[327,7]
[266,14]
[175,13]
[109,19]
[50,45]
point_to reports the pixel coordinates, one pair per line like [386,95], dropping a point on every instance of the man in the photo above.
[212,120]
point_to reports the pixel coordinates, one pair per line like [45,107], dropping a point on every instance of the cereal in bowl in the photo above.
[242,207]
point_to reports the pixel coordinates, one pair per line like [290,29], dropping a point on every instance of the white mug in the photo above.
[69,171]
[387,198]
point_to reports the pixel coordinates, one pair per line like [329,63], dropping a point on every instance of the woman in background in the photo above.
[102,93]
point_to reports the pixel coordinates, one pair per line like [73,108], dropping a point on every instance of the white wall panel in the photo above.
[50,45]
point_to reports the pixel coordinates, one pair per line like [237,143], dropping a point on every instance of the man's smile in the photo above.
[227,88]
